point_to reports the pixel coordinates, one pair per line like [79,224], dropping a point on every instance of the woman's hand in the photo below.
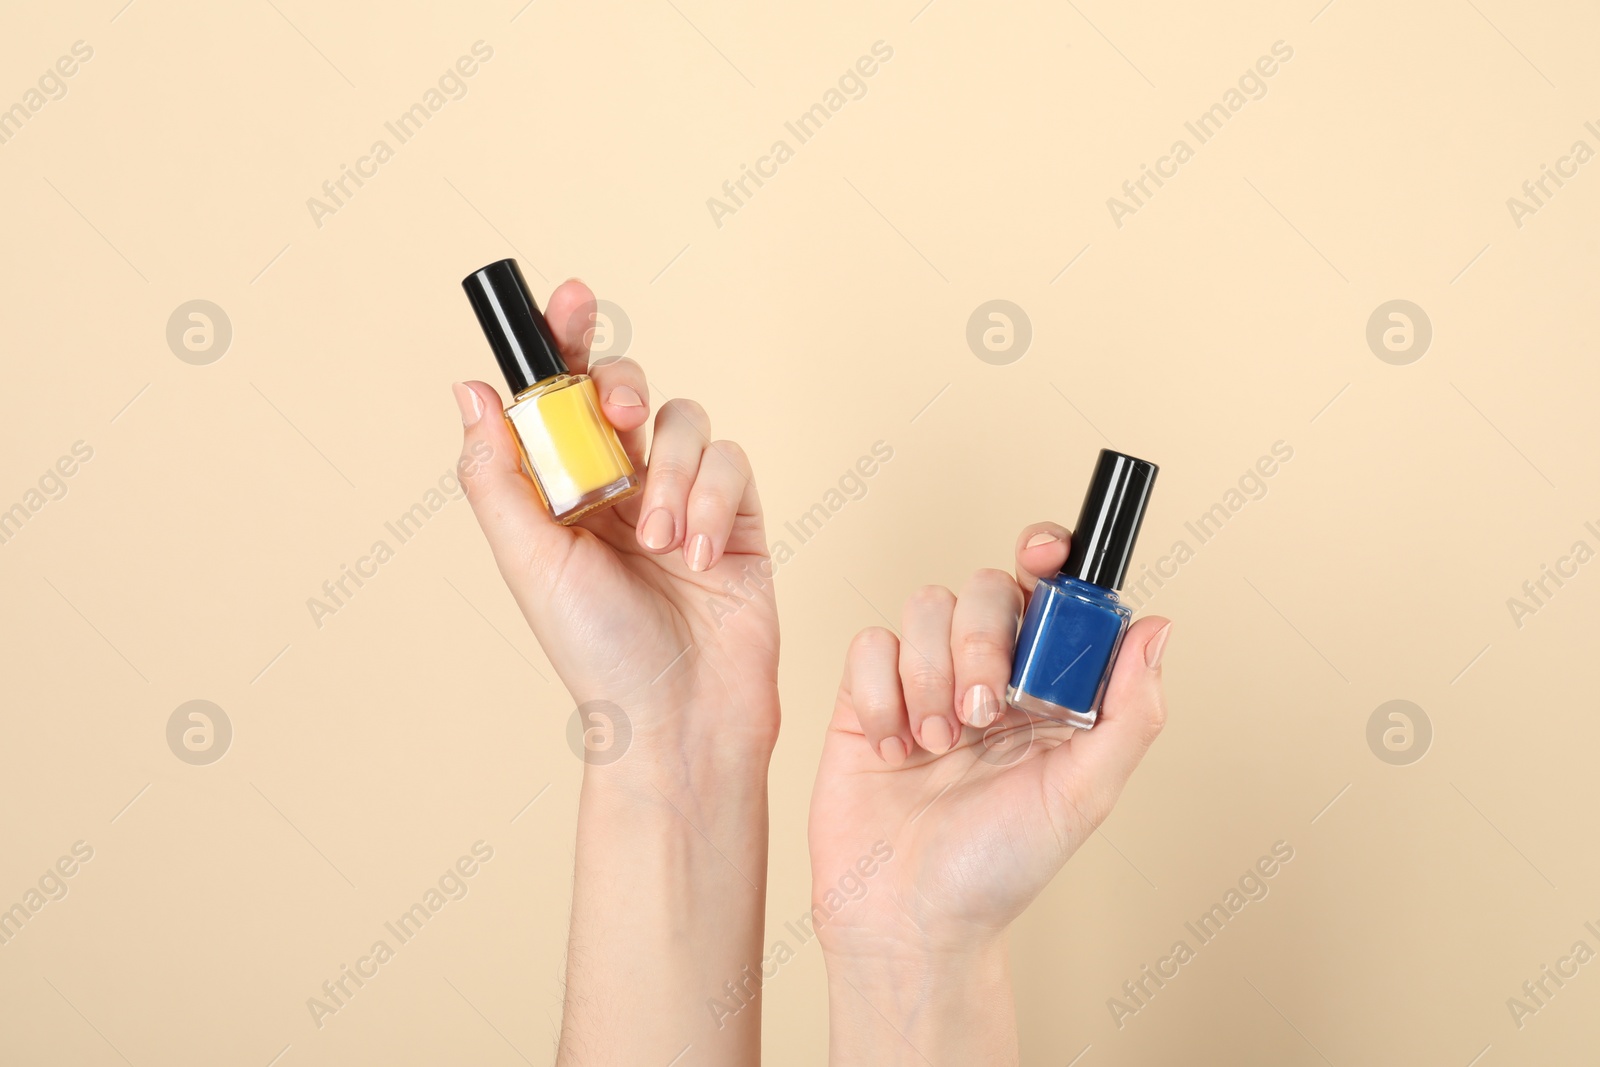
[980,805]
[661,605]
[661,609]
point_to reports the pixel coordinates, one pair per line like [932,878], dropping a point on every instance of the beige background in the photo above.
[827,313]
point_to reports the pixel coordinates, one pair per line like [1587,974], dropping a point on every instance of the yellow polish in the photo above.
[569,447]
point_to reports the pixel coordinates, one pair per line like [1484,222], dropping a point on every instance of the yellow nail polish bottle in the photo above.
[567,445]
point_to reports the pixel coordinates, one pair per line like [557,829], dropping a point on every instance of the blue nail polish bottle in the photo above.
[1075,621]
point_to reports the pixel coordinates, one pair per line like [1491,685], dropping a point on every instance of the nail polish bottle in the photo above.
[1074,623]
[568,447]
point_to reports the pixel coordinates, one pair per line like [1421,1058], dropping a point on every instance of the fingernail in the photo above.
[1157,645]
[980,706]
[699,552]
[893,751]
[624,397]
[469,403]
[936,735]
[1040,539]
[656,533]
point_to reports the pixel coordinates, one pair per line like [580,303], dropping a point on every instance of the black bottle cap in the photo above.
[517,332]
[1108,525]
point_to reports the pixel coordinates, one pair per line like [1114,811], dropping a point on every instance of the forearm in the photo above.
[898,1005]
[668,905]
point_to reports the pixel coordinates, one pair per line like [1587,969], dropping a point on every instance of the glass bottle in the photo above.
[568,448]
[1075,621]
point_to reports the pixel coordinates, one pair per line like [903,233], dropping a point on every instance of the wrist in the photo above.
[712,750]
[906,960]
[708,767]
[907,1001]
[694,799]
[644,794]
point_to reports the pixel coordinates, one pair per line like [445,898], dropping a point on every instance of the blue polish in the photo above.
[1075,622]
[1069,639]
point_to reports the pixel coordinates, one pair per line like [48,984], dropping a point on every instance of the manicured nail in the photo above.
[699,552]
[1040,539]
[656,533]
[624,397]
[469,403]
[936,735]
[893,751]
[980,706]
[1157,645]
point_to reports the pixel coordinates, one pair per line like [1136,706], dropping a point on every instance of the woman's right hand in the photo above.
[632,605]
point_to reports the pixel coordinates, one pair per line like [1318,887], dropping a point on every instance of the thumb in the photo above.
[509,508]
[1091,771]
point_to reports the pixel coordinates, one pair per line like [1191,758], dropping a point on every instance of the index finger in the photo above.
[1041,553]
[570,313]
